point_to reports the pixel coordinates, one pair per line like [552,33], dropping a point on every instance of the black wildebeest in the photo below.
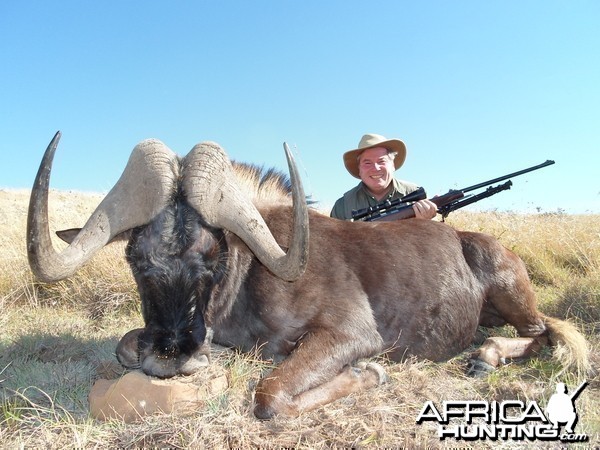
[223,255]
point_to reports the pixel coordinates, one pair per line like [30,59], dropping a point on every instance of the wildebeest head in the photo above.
[177,211]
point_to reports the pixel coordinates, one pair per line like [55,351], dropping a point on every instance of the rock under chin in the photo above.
[136,395]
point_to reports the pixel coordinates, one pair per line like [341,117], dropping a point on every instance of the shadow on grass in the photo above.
[55,371]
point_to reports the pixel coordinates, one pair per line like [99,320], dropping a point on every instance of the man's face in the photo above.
[376,169]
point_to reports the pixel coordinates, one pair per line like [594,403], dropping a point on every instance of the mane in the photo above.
[263,185]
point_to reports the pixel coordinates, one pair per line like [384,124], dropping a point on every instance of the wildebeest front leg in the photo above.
[496,350]
[306,380]
[273,399]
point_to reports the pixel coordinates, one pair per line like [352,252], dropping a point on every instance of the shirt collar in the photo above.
[395,189]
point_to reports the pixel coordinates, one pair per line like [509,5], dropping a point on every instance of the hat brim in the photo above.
[394,145]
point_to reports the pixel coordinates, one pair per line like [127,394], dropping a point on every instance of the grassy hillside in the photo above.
[56,340]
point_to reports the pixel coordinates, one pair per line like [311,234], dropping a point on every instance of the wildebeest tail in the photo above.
[570,347]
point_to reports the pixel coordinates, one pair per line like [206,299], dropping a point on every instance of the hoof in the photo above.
[382,377]
[479,368]
[127,350]
[263,412]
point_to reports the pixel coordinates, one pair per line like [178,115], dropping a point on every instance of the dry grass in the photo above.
[57,339]
[562,254]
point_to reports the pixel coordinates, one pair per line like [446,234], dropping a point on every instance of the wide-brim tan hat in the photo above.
[370,141]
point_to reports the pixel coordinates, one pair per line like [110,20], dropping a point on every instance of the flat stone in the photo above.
[136,395]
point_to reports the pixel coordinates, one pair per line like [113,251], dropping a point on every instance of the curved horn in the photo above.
[140,193]
[212,189]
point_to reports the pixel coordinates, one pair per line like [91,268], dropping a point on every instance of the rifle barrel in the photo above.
[575,394]
[548,162]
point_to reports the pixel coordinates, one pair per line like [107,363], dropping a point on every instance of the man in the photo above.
[374,163]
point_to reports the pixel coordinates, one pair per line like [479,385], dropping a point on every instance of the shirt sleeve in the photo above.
[337,212]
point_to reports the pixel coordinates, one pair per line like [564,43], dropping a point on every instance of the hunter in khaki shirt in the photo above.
[359,197]
[374,163]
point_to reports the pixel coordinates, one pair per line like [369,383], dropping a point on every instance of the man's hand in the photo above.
[424,209]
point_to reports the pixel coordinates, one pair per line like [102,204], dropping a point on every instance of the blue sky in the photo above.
[475,89]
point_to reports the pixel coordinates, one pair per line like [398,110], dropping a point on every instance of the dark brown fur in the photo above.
[411,287]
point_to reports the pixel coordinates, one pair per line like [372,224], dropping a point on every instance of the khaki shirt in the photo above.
[360,198]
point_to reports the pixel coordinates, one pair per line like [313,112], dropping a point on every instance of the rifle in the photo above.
[575,394]
[454,199]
